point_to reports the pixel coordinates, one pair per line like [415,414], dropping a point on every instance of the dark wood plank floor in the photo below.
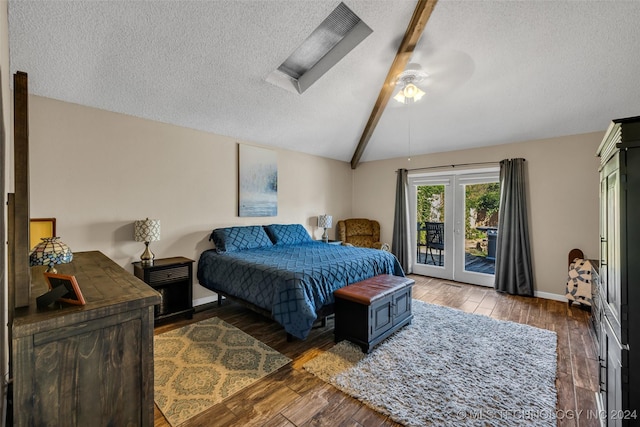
[293,397]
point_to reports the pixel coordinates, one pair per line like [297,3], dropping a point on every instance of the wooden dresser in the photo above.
[91,364]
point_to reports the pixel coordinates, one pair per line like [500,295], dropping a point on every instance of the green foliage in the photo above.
[430,206]
[430,203]
[483,200]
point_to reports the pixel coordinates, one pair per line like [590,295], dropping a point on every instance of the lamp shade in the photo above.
[325,221]
[50,251]
[408,94]
[146,230]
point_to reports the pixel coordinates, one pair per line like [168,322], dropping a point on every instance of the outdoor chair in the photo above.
[435,239]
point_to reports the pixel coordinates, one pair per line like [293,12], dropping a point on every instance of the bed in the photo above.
[279,270]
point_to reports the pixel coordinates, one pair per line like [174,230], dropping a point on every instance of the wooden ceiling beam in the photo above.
[416,26]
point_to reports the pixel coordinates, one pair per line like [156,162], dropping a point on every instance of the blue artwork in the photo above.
[258,181]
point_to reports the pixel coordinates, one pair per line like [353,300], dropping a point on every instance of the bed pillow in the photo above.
[288,234]
[231,239]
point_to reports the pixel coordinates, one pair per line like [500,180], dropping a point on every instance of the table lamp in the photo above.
[325,221]
[147,230]
[50,251]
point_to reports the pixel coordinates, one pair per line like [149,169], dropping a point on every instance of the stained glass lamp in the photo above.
[147,230]
[50,251]
[325,221]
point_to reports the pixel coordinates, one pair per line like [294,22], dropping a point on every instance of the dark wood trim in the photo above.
[20,237]
[418,22]
[4,249]
[11,276]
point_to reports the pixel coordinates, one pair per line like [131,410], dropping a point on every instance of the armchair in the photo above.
[360,232]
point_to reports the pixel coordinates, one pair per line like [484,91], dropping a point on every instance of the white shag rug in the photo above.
[451,368]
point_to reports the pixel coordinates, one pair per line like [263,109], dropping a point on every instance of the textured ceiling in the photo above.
[500,71]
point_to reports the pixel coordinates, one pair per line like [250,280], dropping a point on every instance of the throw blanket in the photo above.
[579,282]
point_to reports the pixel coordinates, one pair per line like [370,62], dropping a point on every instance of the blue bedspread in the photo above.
[292,281]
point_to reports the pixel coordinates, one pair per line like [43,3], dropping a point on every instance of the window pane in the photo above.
[482,202]
[430,225]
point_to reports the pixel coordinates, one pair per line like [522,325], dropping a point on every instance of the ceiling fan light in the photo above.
[410,90]
[418,95]
[399,97]
[408,94]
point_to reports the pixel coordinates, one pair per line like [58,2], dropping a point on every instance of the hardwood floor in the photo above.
[293,397]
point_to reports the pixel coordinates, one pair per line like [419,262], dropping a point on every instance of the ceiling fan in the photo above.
[408,79]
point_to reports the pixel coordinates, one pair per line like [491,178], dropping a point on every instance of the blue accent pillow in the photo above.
[231,239]
[287,234]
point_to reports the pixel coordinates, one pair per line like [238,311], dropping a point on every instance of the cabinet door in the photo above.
[614,386]
[602,359]
[89,374]
[610,238]
[402,306]
[381,317]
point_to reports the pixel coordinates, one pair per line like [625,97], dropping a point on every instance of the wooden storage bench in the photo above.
[369,311]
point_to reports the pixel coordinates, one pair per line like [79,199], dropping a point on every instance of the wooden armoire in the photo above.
[618,322]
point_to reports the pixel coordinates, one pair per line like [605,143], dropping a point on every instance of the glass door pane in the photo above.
[482,202]
[477,209]
[430,225]
[431,207]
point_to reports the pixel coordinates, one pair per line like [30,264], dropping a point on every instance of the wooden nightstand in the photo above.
[173,278]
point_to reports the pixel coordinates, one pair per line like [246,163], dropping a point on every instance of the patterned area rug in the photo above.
[451,368]
[203,363]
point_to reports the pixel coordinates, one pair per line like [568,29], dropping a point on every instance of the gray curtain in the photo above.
[513,256]
[400,243]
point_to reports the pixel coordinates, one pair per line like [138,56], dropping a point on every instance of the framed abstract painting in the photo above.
[257,181]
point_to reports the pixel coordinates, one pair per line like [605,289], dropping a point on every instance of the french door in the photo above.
[456,218]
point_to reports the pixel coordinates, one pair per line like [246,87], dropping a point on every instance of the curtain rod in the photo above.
[454,166]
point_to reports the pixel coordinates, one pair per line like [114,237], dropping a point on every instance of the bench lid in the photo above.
[372,289]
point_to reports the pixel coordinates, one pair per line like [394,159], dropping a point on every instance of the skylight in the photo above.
[336,36]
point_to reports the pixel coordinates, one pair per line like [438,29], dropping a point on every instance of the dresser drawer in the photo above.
[168,275]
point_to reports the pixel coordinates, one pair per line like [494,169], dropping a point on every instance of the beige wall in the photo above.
[562,189]
[97,172]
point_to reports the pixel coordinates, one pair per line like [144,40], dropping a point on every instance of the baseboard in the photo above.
[205,300]
[549,295]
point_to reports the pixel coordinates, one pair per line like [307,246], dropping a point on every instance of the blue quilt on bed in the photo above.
[292,281]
